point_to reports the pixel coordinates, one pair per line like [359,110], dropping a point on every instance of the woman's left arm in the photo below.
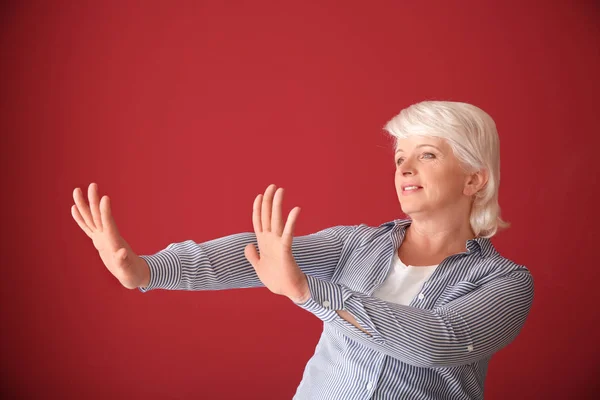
[468,329]
[465,330]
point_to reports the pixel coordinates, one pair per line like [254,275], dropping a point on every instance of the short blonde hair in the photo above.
[472,135]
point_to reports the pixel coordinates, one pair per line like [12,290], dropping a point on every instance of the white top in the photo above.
[403,282]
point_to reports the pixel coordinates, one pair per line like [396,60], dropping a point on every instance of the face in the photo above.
[429,178]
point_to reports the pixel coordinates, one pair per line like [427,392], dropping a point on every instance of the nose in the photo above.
[406,168]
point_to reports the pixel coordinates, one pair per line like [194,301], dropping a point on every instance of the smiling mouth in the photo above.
[411,189]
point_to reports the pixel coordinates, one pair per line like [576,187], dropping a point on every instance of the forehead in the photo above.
[412,142]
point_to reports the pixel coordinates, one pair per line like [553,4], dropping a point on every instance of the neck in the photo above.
[440,235]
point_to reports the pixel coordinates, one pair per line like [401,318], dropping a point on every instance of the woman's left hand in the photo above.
[276,267]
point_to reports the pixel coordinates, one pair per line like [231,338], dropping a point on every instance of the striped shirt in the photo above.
[438,347]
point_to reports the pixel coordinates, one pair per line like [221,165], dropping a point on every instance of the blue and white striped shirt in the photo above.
[438,347]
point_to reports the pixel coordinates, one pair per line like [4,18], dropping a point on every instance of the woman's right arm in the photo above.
[221,264]
[213,265]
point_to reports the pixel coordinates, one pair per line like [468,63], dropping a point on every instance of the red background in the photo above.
[183,112]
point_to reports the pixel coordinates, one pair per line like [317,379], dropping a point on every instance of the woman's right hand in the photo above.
[97,222]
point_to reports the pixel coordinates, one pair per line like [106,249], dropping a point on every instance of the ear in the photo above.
[475,182]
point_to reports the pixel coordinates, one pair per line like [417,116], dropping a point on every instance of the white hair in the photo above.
[472,135]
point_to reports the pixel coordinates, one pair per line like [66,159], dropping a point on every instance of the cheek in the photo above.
[444,185]
[397,179]
[437,193]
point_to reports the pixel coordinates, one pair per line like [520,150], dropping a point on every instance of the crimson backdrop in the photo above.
[183,111]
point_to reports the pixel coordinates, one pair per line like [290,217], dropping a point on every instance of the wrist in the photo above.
[303,293]
[144,269]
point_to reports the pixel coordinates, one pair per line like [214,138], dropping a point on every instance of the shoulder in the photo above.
[500,267]
[491,258]
[382,229]
[366,233]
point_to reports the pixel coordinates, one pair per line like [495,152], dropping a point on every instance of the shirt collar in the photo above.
[479,245]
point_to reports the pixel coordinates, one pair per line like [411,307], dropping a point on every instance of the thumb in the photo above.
[120,254]
[251,254]
[121,257]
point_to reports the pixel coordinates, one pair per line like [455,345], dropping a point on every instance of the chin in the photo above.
[411,209]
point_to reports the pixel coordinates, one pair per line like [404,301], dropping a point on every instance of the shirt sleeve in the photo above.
[467,329]
[221,264]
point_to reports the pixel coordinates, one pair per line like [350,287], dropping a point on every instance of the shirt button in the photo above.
[469,348]
[421,296]
[326,303]
[369,385]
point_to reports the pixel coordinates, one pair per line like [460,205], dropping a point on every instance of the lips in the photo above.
[410,189]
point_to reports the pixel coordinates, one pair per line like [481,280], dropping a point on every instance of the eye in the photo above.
[425,155]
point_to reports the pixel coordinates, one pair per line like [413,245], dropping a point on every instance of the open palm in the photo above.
[275,267]
[98,224]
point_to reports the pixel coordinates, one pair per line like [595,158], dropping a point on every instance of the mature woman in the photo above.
[413,308]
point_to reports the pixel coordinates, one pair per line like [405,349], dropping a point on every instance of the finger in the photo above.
[94,205]
[108,222]
[266,208]
[256,214]
[276,220]
[251,254]
[79,219]
[288,232]
[83,209]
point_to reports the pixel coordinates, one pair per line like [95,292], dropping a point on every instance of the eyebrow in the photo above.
[423,145]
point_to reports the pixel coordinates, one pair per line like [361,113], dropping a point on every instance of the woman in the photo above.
[413,308]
